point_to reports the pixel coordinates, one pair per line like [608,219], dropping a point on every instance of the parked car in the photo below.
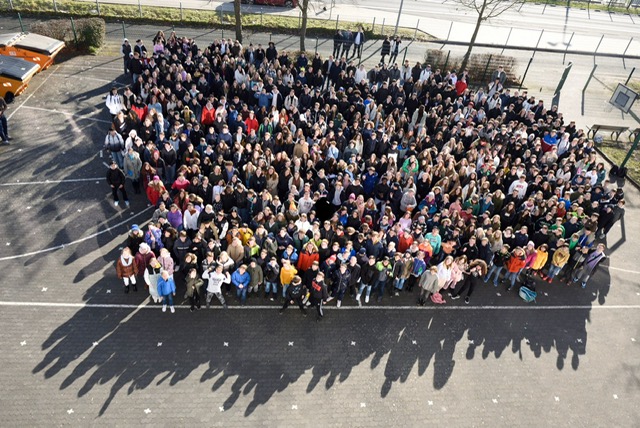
[15,75]
[31,47]
[285,3]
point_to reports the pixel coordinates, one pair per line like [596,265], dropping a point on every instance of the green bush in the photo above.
[476,66]
[90,32]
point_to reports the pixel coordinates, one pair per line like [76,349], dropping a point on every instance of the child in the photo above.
[127,269]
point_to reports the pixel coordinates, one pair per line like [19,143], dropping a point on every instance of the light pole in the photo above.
[398,20]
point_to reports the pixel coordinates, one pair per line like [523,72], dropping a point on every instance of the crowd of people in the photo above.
[311,180]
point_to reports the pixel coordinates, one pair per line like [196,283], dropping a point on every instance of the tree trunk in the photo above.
[472,42]
[238,14]
[304,7]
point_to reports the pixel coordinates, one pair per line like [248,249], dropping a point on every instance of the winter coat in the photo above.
[386,48]
[515,263]
[126,268]
[541,260]
[429,282]
[240,280]
[194,284]
[256,274]
[132,166]
[166,286]
[560,257]
[305,260]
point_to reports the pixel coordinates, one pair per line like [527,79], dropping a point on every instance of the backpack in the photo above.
[527,294]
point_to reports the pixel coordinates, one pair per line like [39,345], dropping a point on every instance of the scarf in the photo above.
[125,262]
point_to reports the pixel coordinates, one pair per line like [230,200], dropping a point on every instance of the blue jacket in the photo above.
[263,99]
[240,279]
[166,287]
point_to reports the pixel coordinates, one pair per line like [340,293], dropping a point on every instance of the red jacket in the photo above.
[305,260]
[208,116]
[515,263]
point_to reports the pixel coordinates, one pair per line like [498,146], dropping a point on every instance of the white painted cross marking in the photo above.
[615,396]
[294,407]
[471,342]
[44,289]
[353,343]
[95,343]
[495,401]
[226,344]
[632,339]
[557,398]
[498,294]
[147,411]
[363,404]
[108,291]
[430,403]
[24,342]
[579,340]
[159,344]
[290,343]
[414,342]
[221,408]
[70,411]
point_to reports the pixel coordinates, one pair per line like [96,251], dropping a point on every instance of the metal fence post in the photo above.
[140,8]
[98,7]
[630,74]
[382,31]
[597,47]
[525,73]
[181,18]
[625,53]
[415,34]
[55,5]
[73,28]
[536,48]
[507,42]
[261,13]
[449,33]
[221,20]
[316,45]
[21,23]
[373,27]
[446,61]
[11,6]
[299,19]
[567,49]
[404,57]
[124,31]
[586,85]
[484,73]
[337,21]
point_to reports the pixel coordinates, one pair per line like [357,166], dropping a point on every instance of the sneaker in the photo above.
[115,203]
[366,299]
[549,280]
[359,303]
[271,298]
[583,285]
[164,308]
[329,299]
[281,311]
[466,300]
[396,294]
[192,309]
[173,310]
[454,297]
[358,296]
[339,303]
[495,284]
[225,306]
[208,305]
[126,203]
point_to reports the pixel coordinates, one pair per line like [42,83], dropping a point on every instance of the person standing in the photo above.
[151,275]
[216,278]
[240,279]
[4,130]
[340,283]
[589,266]
[132,168]
[127,53]
[395,49]
[386,49]
[477,271]
[116,179]
[127,269]
[358,43]
[287,272]
[114,145]
[166,290]
[368,275]
[428,284]
[337,43]
[295,294]
[318,294]
[194,287]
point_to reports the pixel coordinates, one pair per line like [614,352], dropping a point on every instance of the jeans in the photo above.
[218,295]
[284,290]
[361,289]
[494,269]
[170,175]
[168,299]
[399,283]
[511,277]
[4,131]
[118,158]
[554,270]
[270,287]
[380,284]
[242,294]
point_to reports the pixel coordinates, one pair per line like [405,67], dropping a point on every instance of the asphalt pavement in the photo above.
[78,351]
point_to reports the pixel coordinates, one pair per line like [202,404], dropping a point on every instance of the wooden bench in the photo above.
[633,134]
[615,130]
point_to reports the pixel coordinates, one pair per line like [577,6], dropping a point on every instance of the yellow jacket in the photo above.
[287,274]
[541,259]
[560,257]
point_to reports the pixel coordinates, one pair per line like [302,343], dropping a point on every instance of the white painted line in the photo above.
[143,305]
[77,241]
[66,113]
[70,180]
[31,94]
[622,270]
[96,79]
[94,67]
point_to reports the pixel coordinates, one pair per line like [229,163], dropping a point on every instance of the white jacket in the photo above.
[114,103]
[216,280]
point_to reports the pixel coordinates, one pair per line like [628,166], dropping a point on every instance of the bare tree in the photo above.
[303,5]
[238,13]
[486,9]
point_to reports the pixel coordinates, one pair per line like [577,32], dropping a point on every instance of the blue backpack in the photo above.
[527,294]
